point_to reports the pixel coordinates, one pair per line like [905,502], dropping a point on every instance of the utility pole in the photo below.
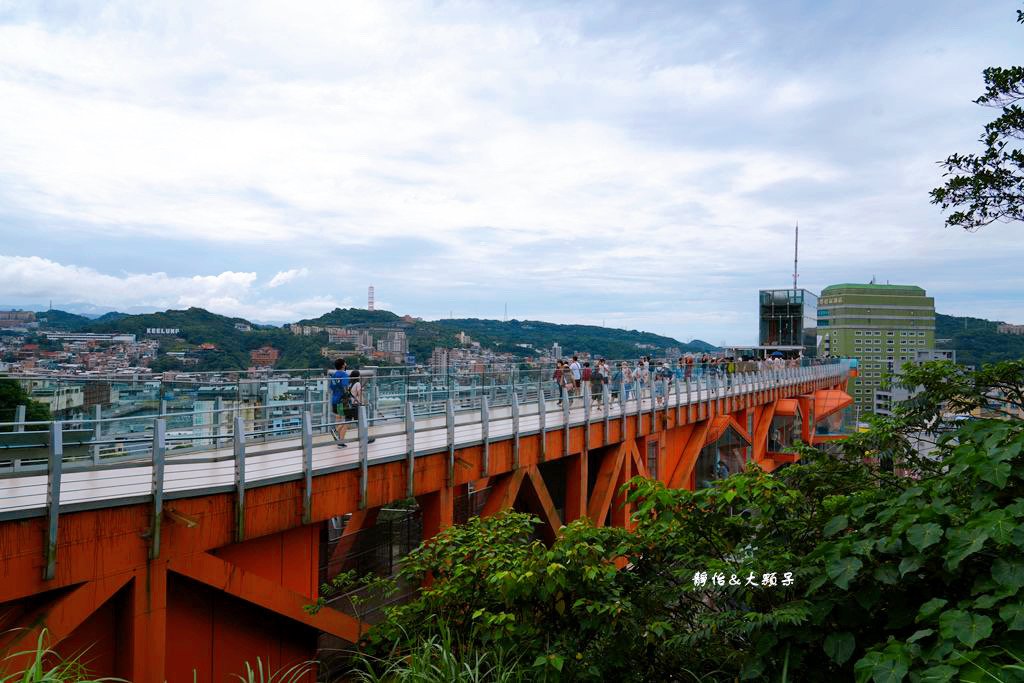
[796,251]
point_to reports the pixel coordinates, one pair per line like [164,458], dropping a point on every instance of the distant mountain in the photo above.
[976,341]
[505,336]
[604,341]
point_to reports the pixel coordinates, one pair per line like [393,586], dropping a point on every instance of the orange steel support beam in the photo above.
[604,487]
[544,507]
[360,520]
[688,458]
[621,508]
[504,491]
[762,425]
[438,508]
[264,593]
[149,622]
[577,477]
[60,618]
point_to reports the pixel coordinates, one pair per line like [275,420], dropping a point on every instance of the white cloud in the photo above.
[286,276]
[33,279]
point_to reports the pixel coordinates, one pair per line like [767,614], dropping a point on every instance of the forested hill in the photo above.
[976,340]
[606,341]
[506,335]
[198,326]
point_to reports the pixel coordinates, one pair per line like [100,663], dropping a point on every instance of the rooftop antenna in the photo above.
[369,299]
[796,251]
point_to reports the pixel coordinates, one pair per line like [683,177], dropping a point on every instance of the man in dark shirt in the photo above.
[339,397]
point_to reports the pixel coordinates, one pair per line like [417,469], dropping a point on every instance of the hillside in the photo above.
[976,340]
[604,341]
[55,319]
[198,326]
[504,336]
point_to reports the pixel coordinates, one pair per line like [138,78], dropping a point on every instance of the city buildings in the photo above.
[1006,328]
[788,317]
[17,319]
[883,326]
[889,394]
[264,357]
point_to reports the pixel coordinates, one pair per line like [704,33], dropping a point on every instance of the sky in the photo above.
[634,164]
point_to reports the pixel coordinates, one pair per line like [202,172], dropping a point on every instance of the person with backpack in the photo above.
[339,387]
[557,376]
[357,397]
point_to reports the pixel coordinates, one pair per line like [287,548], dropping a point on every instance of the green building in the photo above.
[883,326]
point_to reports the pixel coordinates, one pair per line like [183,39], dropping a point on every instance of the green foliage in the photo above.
[47,666]
[290,674]
[987,187]
[13,395]
[441,659]
[976,340]
[893,577]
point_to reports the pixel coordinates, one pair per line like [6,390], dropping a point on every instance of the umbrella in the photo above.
[777,354]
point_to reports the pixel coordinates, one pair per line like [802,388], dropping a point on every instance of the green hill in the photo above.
[501,336]
[976,340]
[199,326]
[55,319]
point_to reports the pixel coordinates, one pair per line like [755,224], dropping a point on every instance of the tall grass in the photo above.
[49,667]
[439,659]
[292,674]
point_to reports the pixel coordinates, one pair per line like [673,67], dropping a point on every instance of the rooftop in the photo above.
[876,289]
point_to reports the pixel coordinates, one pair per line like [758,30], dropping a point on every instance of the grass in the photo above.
[49,667]
[439,659]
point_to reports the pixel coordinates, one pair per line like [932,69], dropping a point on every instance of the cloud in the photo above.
[31,279]
[570,158]
[286,276]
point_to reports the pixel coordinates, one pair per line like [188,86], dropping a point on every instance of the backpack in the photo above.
[586,374]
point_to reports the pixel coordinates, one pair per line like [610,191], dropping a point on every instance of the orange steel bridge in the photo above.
[170,566]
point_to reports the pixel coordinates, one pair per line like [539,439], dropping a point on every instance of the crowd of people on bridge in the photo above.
[626,381]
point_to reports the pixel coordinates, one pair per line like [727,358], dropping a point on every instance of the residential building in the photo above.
[19,319]
[265,356]
[788,317]
[890,393]
[883,326]
[1006,328]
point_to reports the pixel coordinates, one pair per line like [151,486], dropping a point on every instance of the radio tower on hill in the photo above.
[369,299]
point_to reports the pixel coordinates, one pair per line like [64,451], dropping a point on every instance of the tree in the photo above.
[833,569]
[13,395]
[988,187]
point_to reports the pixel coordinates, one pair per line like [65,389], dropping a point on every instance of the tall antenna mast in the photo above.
[796,251]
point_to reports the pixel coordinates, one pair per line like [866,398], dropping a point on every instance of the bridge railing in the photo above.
[276,409]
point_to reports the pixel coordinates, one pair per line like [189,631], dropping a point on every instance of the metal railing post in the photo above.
[19,417]
[54,465]
[239,439]
[606,409]
[218,406]
[97,432]
[307,465]
[410,449]
[652,392]
[450,424]
[159,451]
[485,434]
[679,400]
[515,430]
[364,454]
[587,400]
[565,421]
[542,411]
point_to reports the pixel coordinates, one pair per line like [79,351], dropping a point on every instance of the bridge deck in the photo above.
[24,494]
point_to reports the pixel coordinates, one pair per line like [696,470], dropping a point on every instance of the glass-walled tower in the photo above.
[788,317]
